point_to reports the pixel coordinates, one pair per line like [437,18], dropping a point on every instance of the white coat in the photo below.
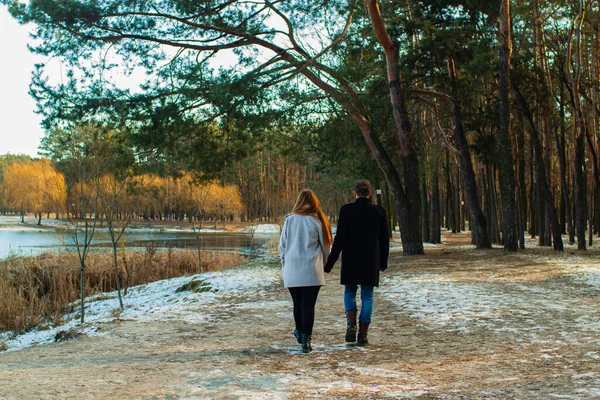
[303,251]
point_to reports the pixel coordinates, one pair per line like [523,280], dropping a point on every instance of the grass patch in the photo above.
[40,289]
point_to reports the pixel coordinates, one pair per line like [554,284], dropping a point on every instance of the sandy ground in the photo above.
[454,324]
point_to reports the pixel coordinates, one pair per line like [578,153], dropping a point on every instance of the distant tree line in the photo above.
[36,186]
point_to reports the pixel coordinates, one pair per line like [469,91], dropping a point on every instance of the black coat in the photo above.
[363,239]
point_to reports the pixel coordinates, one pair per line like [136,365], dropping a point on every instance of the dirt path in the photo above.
[454,324]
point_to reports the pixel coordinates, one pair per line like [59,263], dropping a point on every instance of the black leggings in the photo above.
[304,298]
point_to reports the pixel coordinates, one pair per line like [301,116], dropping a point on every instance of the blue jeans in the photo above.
[366,298]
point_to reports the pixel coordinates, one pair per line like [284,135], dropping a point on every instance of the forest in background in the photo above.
[460,110]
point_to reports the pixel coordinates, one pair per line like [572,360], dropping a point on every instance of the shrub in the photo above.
[42,288]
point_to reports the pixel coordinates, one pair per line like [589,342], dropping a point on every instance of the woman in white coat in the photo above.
[304,247]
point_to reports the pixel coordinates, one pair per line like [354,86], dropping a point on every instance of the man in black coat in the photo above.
[363,239]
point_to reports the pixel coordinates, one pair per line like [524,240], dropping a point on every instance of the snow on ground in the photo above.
[586,273]
[14,223]
[436,300]
[156,301]
[446,302]
[267,229]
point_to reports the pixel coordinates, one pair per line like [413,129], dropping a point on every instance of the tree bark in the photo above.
[456,203]
[507,176]
[408,212]
[425,211]
[573,82]
[448,212]
[560,147]
[543,179]
[580,191]
[521,184]
[434,207]
[477,221]
[411,232]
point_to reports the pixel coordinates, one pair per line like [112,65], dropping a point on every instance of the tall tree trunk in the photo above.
[541,210]
[434,207]
[580,191]
[477,220]
[521,185]
[493,212]
[560,147]
[591,214]
[543,121]
[448,203]
[411,233]
[507,176]
[408,212]
[425,212]
[573,82]
[533,209]
[549,206]
[520,227]
[456,203]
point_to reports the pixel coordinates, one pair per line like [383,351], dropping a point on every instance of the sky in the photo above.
[20,130]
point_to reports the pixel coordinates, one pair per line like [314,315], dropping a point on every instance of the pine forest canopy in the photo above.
[493,104]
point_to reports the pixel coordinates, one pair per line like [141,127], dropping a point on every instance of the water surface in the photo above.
[31,241]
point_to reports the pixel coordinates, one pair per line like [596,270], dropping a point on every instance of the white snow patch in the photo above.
[593,354]
[14,222]
[439,301]
[585,375]
[586,273]
[268,229]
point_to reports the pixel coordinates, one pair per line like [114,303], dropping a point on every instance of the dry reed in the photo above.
[39,289]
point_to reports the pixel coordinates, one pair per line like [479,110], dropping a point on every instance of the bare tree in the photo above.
[88,162]
[114,191]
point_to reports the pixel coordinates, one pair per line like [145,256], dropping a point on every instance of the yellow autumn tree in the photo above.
[17,183]
[35,187]
[53,188]
[223,201]
[152,193]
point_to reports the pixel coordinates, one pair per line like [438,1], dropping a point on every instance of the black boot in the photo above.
[306,347]
[351,326]
[298,336]
[363,329]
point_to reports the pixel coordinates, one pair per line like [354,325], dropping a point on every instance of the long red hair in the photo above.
[308,204]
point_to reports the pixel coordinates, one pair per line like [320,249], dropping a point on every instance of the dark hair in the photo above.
[362,188]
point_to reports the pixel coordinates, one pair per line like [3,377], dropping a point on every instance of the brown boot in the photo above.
[351,327]
[363,329]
